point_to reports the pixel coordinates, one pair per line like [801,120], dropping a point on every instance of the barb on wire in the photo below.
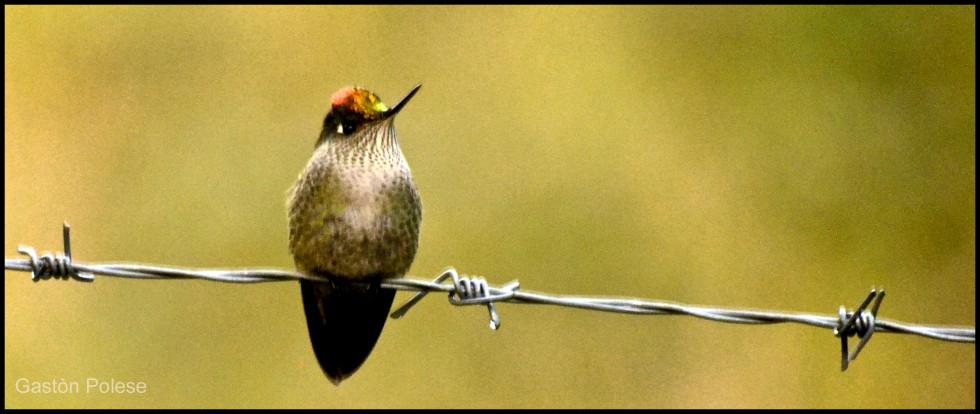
[857,323]
[57,266]
[472,290]
[466,291]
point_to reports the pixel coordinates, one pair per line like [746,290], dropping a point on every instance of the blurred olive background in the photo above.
[783,158]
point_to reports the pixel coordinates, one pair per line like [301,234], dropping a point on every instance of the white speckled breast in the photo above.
[355,211]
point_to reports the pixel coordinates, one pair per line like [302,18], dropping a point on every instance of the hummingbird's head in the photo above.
[351,108]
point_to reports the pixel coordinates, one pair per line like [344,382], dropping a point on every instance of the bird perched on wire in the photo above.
[354,219]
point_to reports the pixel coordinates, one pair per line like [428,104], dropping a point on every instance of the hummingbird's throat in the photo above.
[357,104]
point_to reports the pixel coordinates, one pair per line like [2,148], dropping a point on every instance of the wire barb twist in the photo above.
[858,323]
[56,266]
[474,290]
[467,291]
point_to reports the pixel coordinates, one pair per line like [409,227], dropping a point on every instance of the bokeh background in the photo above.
[784,158]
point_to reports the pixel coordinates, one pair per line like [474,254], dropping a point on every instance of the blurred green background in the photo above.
[784,158]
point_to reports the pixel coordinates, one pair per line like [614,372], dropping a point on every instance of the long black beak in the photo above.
[401,104]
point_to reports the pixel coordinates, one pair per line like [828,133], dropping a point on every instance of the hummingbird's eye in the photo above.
[346,128]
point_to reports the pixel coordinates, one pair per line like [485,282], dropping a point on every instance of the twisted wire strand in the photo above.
[629,306]
[473,290]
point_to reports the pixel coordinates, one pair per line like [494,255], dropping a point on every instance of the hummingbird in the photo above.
[354,219]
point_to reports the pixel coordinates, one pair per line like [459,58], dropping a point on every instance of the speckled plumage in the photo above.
[354,216]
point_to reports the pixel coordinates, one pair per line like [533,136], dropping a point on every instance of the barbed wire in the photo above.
[473,290]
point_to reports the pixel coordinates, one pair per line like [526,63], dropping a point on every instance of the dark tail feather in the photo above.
[345,320]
